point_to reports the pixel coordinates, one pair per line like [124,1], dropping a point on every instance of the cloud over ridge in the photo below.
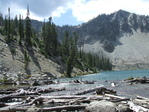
[82,10]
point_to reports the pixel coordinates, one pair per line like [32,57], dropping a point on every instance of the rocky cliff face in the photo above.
[122,36]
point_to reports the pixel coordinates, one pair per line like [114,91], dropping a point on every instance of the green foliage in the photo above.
[3,80]
[49,35]
[28,76]
[13,50]
[69,50]
[26,59]
[21,30]
[94,62]
[28,30]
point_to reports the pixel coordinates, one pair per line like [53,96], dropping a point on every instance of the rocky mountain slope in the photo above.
[122,36]
[12,61]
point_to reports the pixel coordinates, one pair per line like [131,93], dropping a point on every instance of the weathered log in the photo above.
[7,91]
[144,98]
[3,105]
[58,108]
[48,90]
[83,82]
[88,91]
[137,108]
[68,108]
[142,80]
[114,96]
[102,91]
[13,95]
[95,97]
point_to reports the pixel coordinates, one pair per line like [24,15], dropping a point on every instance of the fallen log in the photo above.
[114,96]
[88,91]
[137,108]
[82,82]
[144,98]
[58,108]
[68,108]
[5,98]
[48,90]
[117,98]
[142,80]
[94,97]
[102,91]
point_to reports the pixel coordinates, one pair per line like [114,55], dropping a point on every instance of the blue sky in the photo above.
[66,19]
[71,12]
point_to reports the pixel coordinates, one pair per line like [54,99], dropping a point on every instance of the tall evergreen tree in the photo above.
[21,30]
[5,26]
[1,19]
[16,21]
[65,45]
[9,27]
[72,56]
[49,37]
[54,38]
[28,30]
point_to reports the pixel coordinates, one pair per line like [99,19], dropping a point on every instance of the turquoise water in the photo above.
[115,75]
[105,79]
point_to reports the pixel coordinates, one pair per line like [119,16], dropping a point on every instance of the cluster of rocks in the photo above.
[25,79]
[142,80]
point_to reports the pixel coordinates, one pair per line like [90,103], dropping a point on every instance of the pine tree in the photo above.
[44,31]
[5,26]
[21,30]
[16,21]
[49,35]
[72,56]
[65,45]
[54,39]
[1,19]
[9,27]
[28,30]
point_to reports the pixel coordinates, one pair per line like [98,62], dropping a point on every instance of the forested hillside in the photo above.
[24,37]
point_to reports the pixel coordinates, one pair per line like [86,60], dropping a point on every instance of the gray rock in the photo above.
[101,106]
[33,109]
[106,106]
[124,108]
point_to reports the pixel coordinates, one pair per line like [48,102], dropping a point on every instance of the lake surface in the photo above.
[105,79]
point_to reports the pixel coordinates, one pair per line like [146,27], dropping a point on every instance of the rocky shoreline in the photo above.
[33,98]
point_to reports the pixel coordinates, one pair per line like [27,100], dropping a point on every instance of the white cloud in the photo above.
[85,11]
[82,10]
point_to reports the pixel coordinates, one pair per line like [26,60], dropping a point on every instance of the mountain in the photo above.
[122,36]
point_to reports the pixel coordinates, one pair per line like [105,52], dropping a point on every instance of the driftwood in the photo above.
[82,82]
[142,101]
[5,98]
[7,91]
[142,80]
[58,108]
[87,91]
[117,98]
[48,90]
[137,108]
[99,90]
[102,91]
[144,98]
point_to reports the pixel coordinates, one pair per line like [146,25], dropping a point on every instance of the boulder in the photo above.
[124,108]
[101,106]
[106,106]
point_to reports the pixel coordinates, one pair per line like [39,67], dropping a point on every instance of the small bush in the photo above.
[13,50]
